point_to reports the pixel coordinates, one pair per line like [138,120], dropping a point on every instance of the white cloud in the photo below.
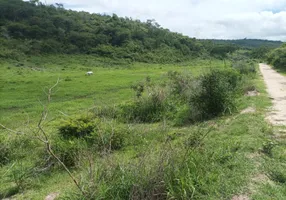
[226,19]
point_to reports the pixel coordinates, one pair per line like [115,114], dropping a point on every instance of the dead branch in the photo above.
[10,130]
[42,136]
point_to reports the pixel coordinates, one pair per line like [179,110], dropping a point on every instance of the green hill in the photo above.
[31,28]
[35,28]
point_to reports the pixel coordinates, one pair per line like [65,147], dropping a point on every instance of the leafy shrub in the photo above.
[244,67]
[68,151]
[183,98]
[10,54]
[215,94]
[182,115]
[148,108]
[77,127]
[241,62]
[101,134]
[277,58]
[180,85]
[247,84]
[108,136]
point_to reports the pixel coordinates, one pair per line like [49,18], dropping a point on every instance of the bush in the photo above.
[184,99]
[108,136]
[244,67]
[277,58]
[191,170]
[68,151]
[215,94]
[77,127]
[96,132]
[147,108]
[180,85]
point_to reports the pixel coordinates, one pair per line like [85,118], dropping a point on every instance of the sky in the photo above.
[207,19]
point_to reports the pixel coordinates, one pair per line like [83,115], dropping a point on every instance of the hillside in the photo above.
[34,28]
[250,43]
[29,28]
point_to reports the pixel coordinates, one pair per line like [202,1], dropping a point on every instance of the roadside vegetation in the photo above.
[277,58]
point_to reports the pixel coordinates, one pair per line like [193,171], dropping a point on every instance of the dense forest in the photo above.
[29,28]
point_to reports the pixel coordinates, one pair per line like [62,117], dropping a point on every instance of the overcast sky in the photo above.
[220,19]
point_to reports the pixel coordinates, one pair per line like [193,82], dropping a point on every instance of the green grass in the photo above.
[23,88]
[163,157]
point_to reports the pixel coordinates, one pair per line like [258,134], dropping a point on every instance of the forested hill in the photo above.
[251,43]
[35,28]
[29,28]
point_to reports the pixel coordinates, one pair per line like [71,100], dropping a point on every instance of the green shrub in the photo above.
[78,127]
[16,148]
[183,98]
[215,93]
[68,151]
[180,85]
[183,115]
[108,136]
[97,133]
[148,108]
[247,84]
[277,58]
[244,67]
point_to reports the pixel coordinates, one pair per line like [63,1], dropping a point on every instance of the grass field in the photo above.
[228,155]
[24,84]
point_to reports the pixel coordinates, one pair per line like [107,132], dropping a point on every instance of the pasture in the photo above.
[24,83]
[213,159]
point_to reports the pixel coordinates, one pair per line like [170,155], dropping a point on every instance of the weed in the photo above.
[268,147]
[5,152]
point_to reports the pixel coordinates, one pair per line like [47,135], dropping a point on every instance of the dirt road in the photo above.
[276,88]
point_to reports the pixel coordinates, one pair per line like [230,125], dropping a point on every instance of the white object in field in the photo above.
[89,73]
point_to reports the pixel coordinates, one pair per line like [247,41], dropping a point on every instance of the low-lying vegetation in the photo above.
[175,139]
[184,98]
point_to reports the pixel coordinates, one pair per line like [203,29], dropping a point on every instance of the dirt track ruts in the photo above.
[276,88]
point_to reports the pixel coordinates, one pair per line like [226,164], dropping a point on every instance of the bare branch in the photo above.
[42,136]
[10,130]
[46,139]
